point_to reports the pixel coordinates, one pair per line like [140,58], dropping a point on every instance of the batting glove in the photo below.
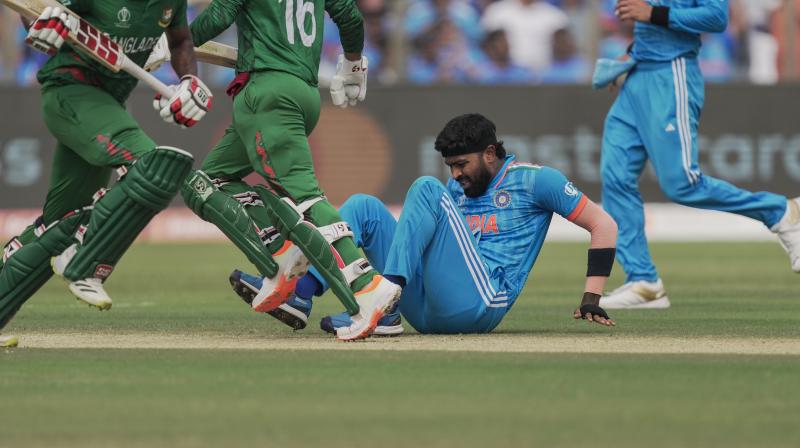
[189,104]
[349,84]
[159,55]
[48,32]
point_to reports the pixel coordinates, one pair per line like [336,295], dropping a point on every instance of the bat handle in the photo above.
[147,77]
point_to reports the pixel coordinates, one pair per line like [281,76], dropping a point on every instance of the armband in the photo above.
[660,16]
[600,262]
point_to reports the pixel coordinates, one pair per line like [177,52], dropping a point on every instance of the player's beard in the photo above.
[478,182]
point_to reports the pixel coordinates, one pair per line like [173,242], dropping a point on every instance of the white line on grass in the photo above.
[500,343]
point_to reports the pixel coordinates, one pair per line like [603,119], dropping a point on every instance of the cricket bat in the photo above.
[98,46]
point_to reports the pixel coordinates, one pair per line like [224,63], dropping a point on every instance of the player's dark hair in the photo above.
[466,134]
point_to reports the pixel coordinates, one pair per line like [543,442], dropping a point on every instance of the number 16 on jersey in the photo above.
[297,13]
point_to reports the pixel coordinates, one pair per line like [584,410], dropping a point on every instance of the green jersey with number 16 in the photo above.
[282,35]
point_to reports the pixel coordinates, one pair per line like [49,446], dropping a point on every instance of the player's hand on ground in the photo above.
[189,104]
[159,55]
[48,32]
[349,84]
[591,311]
[637,10]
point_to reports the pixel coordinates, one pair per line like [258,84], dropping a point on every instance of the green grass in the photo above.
[144,398]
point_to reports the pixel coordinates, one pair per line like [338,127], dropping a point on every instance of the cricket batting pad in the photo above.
[28,268]
[119,216]
[294,227]
[223,209]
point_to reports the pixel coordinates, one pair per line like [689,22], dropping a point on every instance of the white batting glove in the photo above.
[159,55]
[349,84]
[48,32]
[189,104]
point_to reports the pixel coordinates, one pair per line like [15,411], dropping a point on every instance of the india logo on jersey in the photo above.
[502,199]
[166,18]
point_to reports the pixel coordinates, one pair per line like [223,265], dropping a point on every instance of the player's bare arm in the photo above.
[192,98]
[181,47]
[637,10]
[603,232]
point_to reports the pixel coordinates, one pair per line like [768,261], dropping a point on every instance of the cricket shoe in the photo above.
[389,325]
[788,231]
[274,292]
[293,313]
[637,295]
[8,341]
[89,290]
[375,301]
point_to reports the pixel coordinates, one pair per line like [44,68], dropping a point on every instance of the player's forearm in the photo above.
[348,19]
[710,18]
[603,231]
[215,19]
[181,47]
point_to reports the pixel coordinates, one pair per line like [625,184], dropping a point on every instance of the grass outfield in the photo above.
[724,295]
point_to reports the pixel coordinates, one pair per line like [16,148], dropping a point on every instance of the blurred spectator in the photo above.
[529,25]
[531,48]
[617,38]
[568,66]
[717,58]
[762,47]
[375,42]
[424,13]
[443,55]
[787,31]
[583,24]
[496,66]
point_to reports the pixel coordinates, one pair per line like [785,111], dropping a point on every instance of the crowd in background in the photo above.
[503,42]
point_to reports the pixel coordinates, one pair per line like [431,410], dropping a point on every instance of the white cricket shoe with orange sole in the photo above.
[292,265]
[374,301]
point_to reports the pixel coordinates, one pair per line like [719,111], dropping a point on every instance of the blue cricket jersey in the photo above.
[510,220]
[687,19]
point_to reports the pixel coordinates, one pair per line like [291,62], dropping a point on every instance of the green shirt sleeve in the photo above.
[215,19]
[348,19]
[76,6]
[180,19]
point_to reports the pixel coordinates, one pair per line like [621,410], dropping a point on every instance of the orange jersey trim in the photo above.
[578,208]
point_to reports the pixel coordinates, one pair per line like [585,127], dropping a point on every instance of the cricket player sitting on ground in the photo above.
[288,224]
[84,226]
[655,117]
[463,252]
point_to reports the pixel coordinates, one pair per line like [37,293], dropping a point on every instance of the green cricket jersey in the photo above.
[281,35]
[135,25]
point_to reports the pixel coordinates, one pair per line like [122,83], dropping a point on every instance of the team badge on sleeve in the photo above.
[502,199]
[166,18]
[570,189]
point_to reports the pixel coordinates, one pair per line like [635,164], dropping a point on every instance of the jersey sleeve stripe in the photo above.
[578,208]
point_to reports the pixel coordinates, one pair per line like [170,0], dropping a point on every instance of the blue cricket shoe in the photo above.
[389,325]
[293,313]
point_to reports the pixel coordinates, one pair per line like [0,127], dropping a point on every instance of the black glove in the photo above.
[594,310]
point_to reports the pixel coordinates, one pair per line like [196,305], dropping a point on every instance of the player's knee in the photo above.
[361,201]
[426,186]
[677,188]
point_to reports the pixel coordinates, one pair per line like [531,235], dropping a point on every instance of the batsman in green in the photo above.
[84,229]
[286,224]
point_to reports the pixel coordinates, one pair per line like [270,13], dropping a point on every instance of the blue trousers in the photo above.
[655,117]
[448,289]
